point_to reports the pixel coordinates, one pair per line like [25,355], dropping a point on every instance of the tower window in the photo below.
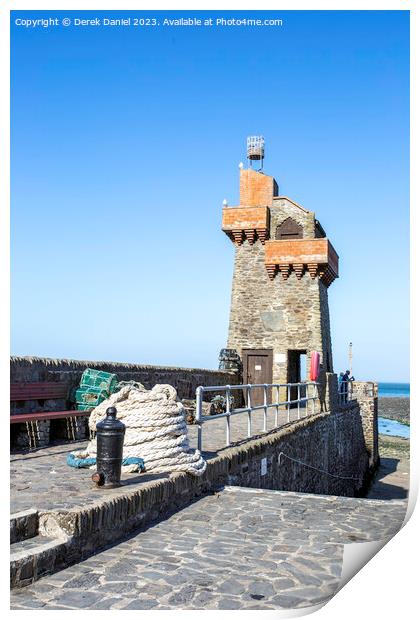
[289,229]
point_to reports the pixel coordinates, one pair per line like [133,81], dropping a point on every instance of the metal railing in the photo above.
[301,402]
[346,392]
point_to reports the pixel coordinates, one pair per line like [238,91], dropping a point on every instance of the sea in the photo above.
[394,390]
[392,427]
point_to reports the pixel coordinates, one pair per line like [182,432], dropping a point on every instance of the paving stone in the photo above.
[231,586]
[229,603]
[143,603]
[185,595]
[283,584]
[120,587]
[83,582]
[105,603]
[260,588]
[251,567]
[31,603]
[78,600]
[204,600]
[288,601]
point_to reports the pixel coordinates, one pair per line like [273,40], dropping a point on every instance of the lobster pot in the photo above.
[89,397]
[229,360]
[99,379]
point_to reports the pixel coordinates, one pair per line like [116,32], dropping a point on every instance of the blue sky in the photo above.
[125,142]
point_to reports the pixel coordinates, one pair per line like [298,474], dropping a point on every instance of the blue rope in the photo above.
[74,461]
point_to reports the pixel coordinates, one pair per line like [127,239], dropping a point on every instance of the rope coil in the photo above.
[156,429]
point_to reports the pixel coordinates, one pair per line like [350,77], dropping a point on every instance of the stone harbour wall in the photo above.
[324,454]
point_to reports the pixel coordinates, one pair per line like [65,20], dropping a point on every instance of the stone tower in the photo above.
[284,265]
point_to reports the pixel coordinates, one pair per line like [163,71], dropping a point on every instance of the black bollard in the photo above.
[109,451]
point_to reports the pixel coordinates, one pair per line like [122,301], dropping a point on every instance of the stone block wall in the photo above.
[366,394]
[282,208]
[33,435]
[324,454]
[277,314]
[184,380]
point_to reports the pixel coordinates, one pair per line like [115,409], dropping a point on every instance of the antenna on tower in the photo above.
[255,149]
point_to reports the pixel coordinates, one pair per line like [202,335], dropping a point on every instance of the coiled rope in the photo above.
[156,429]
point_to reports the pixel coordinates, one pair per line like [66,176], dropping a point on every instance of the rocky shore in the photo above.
[396,447]
[395,409]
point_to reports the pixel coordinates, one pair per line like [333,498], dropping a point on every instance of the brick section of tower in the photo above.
[256,189]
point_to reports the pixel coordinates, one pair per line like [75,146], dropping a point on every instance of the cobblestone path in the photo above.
[42,479]
[237,549]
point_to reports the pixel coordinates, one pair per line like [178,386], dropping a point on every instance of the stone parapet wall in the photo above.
[184,380]
[34,369]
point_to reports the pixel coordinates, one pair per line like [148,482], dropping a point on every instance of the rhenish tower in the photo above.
[284,265]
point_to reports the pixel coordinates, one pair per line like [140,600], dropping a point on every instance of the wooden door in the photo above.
[258,368]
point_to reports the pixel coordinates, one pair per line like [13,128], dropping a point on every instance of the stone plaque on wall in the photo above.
[273,321]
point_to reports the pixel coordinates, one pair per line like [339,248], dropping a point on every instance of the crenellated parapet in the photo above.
[317,256]
[250,223]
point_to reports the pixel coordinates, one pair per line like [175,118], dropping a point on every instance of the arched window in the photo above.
[289,229]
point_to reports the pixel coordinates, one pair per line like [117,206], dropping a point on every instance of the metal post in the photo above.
[198,412]
[298,395]
[265,408]
[313,397]
[248,404]
[288,402]
[277,405]
[228,415]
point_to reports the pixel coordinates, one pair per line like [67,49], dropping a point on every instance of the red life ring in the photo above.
[314,372]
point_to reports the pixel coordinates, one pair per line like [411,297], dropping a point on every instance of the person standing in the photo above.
[345,384]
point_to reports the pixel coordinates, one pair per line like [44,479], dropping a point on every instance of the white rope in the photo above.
[156,429]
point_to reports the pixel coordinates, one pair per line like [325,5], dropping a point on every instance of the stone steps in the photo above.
[34,557]
[23,525]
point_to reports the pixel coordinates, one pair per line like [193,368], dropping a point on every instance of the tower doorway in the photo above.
[296,371]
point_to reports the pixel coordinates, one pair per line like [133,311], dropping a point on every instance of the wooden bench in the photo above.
[41,391]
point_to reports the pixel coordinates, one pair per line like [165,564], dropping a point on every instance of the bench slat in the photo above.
[19,418]
[38,391]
